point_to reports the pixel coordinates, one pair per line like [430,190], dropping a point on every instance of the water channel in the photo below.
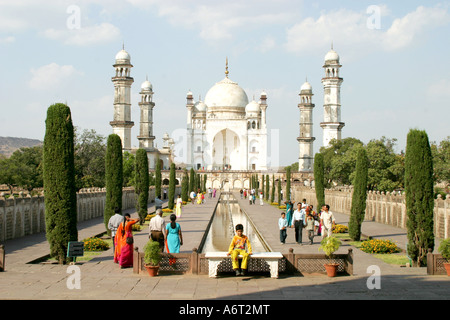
[222,228]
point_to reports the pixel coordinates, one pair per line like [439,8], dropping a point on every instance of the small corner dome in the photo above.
[147,86]
[306,86]
[123,56]
[253,106]
[200,106]
[332,56]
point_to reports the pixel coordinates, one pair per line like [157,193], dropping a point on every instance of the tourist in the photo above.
[240,245]
[242,193]
[245,194]
[310,226]
[157,228]
[210,192]
[173,235]
[114,223]
[214,192]
[298,221]
[289,211]
[178,206]
[304,204]
[328,221]
[319,223]
[282,224]
[124,232]
[199,197]
[158,203]
[192,196]
[261,200]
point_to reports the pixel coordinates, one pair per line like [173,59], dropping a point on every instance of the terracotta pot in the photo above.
[447,267]
[152,270]
[331,269]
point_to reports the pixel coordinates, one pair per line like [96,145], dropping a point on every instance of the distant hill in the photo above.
[9,144]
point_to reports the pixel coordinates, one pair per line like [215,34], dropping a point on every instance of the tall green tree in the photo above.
[59,181]
[288,183]
[142,184]
[266,195]
[113,177]
[192,181]
[441,160]
[319,180]
[419,196]
[279,191]
[158,179]
[129,168]
[172,178]
[272,194]
[185,186]
[359,196]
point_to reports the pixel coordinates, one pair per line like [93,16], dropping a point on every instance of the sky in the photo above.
[394,58]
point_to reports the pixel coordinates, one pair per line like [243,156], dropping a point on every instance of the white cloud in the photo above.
[51,76]
[217,20]
[85,36]
[350,28]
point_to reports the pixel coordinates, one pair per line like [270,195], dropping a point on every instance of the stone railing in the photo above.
[25,215]
[387,208]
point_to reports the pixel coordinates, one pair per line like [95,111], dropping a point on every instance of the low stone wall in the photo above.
[387,208]
[25,215]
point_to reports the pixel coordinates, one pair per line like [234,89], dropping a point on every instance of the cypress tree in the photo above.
[185,186]
[319,180]
[192,181]
[288,183]
[172,178]
[279,191]
[113,177]
[272,195]
[205,178]
[267,187]
[419,196]
[158,178]
[359,196]
[59,181]
[142,183]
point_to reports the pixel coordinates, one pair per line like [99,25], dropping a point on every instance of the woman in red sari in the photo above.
[123,253]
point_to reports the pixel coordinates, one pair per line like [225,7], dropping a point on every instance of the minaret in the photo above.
[332,125]
[306,139]
[122,123]
[190,130]
[146,136]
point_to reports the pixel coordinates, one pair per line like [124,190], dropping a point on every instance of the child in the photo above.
[310,225]
[283,223]
[237,247]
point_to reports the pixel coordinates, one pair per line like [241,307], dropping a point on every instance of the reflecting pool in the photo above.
[227,215]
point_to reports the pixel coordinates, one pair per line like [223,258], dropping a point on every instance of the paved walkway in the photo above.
[102,279]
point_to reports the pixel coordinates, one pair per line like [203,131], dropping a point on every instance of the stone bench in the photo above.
[271,258]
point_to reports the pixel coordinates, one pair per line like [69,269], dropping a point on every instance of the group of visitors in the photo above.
[305,217]
[251,194]
[168,236]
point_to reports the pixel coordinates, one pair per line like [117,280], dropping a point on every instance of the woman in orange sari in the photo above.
[122,233]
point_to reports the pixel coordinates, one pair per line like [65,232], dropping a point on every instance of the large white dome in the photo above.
[123,57]
[226,93]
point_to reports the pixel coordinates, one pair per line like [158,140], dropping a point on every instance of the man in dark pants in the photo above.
[157,227]
[298,221]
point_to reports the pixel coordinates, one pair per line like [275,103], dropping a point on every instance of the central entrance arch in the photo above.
[225,151]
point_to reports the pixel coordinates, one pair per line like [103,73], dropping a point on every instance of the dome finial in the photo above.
[226,68]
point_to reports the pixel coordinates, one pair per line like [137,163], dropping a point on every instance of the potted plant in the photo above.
[329,245]
[152,257]
[444,250]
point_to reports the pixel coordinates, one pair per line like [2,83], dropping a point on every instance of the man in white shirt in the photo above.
[157,227]
[298,221]
[304,204]
[114,223]
[328,221]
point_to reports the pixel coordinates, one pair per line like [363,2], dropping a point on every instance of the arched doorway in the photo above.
[225,151]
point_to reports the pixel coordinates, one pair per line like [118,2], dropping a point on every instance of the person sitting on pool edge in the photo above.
[238,246]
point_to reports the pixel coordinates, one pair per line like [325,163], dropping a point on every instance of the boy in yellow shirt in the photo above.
[237,247]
